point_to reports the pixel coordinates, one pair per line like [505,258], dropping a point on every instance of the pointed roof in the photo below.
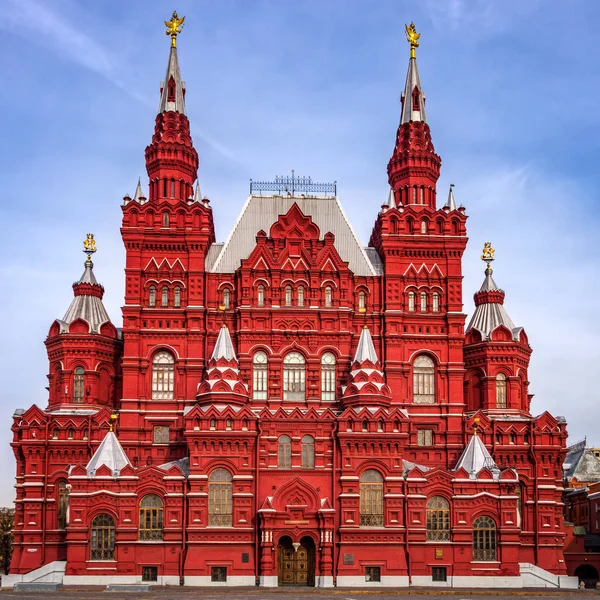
[476,457]
[139,193]
[451,204]
[413,96]
[391,198]
[87,304]
[172,88]
[581,464]
[489,310]
[365,349]
[224,346]
[109,453]
[197,194]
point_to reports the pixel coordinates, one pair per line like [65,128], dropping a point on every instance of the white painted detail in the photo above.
[359,581]
[533,576]
[268,581]
[324,581]
[232,581]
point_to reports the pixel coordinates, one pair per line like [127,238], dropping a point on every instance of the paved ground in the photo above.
[164,593]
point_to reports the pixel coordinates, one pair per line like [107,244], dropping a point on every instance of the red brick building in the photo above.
[289,406]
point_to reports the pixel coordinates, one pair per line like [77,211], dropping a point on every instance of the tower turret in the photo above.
[414,168]
[171,159]
[496,352]
[89,378]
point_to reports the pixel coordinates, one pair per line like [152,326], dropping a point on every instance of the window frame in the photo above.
[102,538]
[260,376]
[308,452]
[371,498]
[328,377]
[220,498]
[501,391]
[284,452]
[79,385]
[438,519]
[294,377]
[424,388]
[163,376]
[151,515]
[485,539]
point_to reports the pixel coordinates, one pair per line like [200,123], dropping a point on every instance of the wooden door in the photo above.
[294,567]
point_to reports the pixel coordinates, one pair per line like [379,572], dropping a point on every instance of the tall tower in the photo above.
[421,248]
[166,237]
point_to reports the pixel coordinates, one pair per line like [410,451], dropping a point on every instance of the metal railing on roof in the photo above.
[286,184]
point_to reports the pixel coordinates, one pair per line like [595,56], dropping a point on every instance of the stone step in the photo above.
[37,587]
[132,587]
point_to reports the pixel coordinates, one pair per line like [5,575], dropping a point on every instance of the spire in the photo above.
[87,304]
[110,453]
[414,168]
[413,98]
[139,195]
[489,300]
[391,199]
[365,349]
[476,457]
[224,346]
[197,194]
[451,204]
[222,382]
[171,159]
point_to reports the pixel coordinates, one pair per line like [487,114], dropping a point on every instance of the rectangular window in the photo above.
[372,573]
[259,382]
[218,574]
[424,437]
[161,434]
[149,573]
[438,574]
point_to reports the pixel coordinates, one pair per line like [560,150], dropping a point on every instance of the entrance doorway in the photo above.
[587,574]
[296,562]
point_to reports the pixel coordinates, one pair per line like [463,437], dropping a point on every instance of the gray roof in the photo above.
[86,306]
[139,193]
[109,453]
[490,315]
[451,204]
[178,105]
[581,464]
[223,346]
[475,457]
[374,259]
[412,81]
[182,463]
[260,212]
[365,349]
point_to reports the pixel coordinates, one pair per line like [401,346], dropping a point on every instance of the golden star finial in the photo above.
[412,37]
[174,27]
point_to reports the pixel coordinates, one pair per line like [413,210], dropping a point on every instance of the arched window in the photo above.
[152,296]
[362,301]
[284,452]
[328,377]
[288,295]
[484,539]
[79,385]
[228,424]
[301,295]
[165,219]
[103,538]
[328,296]
[308,452]
[226,298]
[259,376]
[165,296]
[512,439]
[423,380]
[163,367]
[435,302]
[294,377]
[63,504]
[411,301]
[220,498]
[416,106]
[423,223]
[438,519]
[177,297]
[151,518]
[501,390]
[260,296]
[423,302]
[371,499]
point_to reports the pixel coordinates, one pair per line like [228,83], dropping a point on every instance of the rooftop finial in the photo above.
[488,256]
[412,37]
[174,27]
[475,425]
[89,247]
[112,421]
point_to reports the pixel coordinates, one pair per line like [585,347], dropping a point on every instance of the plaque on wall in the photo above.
[348,559]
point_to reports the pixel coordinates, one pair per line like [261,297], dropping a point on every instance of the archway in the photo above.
[587,574]
[296,561]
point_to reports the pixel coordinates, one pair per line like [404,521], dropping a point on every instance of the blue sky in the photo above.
[310,85]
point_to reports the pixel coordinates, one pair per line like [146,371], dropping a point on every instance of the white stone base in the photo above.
[475,581]
[268,581]
[536,577]
[232,581]
[426,581]
[359,581]
[118,580]
[324,581]
[52,572]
